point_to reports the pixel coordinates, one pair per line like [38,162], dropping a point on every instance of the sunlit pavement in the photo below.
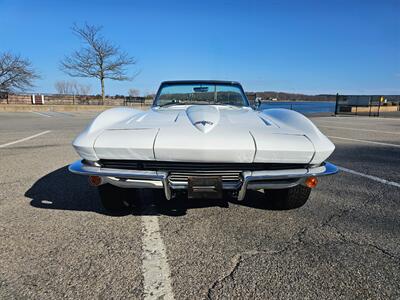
[57,241]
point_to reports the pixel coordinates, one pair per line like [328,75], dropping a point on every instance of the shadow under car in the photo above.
[63,190]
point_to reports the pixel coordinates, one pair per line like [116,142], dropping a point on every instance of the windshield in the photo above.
[198,94]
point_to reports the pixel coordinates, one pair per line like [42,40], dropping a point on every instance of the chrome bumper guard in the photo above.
[252,180]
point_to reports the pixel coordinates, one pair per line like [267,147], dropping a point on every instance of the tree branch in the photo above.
[16,73]
[99,58]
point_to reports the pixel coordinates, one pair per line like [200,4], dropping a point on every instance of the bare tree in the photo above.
[134,93]
[63,87]
[150,96]
[16,73]
[99,58]
[72,87]
[84,89]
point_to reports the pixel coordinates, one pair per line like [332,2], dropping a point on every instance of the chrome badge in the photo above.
[204,123]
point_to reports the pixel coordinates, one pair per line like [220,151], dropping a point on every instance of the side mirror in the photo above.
[257,103]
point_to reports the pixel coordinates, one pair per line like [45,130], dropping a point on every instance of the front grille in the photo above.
[193,166]
[227,176]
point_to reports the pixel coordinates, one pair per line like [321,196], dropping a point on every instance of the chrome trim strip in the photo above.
[167,188]
[242,192]
[251,179]
[83,169]
[258,185]
[183,185]
[133,183]
[259,179]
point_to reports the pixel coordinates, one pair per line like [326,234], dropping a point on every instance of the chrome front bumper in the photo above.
[252,180]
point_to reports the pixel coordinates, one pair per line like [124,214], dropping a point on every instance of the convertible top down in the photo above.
[203,138]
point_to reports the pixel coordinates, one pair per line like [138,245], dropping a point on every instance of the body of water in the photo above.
[304,107]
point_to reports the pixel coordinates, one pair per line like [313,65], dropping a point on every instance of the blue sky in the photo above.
[350,47]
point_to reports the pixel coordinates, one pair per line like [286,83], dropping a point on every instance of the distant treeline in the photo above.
[281,96]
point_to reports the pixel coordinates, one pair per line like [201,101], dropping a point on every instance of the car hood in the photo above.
[204,118]
[202,133]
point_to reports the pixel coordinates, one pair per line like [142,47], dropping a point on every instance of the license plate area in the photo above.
[201,187]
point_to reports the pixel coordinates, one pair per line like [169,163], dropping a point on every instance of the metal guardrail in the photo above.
[367,105]
[68,99]
[134,100]
[3,95]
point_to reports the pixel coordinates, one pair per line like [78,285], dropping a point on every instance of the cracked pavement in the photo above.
[57,241]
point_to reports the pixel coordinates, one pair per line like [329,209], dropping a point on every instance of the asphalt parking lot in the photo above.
[58,242]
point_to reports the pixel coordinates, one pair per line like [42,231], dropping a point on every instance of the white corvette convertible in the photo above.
[203,138]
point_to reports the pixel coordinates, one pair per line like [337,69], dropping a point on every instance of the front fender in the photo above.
[84,142]
[289,118]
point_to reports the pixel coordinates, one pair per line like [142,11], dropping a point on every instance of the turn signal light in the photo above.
[311,182]
[95,180]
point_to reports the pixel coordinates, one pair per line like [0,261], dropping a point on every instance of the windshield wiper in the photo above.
[207,103]
[172,103]
[228,104]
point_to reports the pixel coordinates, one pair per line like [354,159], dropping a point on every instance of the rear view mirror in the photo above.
[201,89]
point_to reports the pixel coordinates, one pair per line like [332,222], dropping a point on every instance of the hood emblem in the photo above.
[204,123]
[203,117]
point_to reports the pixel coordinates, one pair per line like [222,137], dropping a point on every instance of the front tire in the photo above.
[290,198]
[116,200]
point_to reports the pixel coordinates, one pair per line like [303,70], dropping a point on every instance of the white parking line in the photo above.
[156,273]
[41,114]
[359,129]
[381,180]
[62,113]
[364,141]
[24,139]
